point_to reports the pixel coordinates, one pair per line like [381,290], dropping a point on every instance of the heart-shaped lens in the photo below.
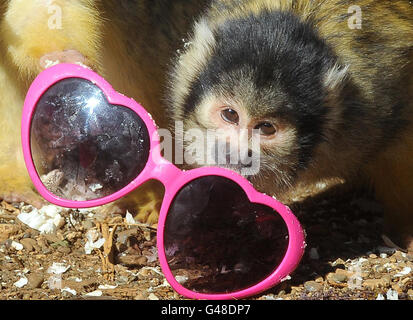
[217,241]
[82,146]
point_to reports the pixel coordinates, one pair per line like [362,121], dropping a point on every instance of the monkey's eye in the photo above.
[266,128]
[230,115]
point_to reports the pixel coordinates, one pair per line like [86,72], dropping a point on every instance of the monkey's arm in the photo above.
[69,31]
[34,29]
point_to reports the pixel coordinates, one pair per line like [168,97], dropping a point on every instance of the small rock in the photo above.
[153,297]
[68,292]
[392,295]
[396,287]
[124,235]
[400,256]
[96,293]
[141,296]
[71,236]
[29,244]
[319,280]
[144,274]
[406,271]
[313,286]
[121,280]
[7,230]
[380,297]
[17,245]
[149,272]
[376,283]
[107,287]
[340,277]
[52,237]
[58,268]
[132,260]
[87,224]
[42,242]
[82,285]
[21,283]
[64,250]
[338,262]
[35,280]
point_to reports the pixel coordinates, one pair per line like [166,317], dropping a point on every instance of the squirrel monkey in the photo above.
[327,85]
[127,42]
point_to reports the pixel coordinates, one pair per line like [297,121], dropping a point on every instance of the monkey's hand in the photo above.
[67,56]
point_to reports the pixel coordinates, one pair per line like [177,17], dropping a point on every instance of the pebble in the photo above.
[313,286]
[339,277]
[380,297]
[71,236]
[376,283]
[392,295]
[153,297]
[35,280]
[21,283]
[87,224]
[337,262]
[96,293]
[132,260]
[64,250]
[141,296]
[124,235]
[52,237]
[68,293]
[17,246]
[42,243]
[7,230]
[29,244]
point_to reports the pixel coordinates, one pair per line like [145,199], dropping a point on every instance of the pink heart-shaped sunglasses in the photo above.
[86,145]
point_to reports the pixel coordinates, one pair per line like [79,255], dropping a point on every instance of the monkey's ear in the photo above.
[335,77]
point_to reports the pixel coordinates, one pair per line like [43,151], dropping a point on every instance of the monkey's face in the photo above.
[260,85]
[238,129]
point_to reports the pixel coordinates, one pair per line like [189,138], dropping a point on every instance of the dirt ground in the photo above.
[346,257]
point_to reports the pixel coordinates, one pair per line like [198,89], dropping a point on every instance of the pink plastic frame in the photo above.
[160,169]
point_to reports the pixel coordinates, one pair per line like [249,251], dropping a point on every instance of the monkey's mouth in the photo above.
[248,171]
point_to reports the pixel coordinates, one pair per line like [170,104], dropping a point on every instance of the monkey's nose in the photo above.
[225,155]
